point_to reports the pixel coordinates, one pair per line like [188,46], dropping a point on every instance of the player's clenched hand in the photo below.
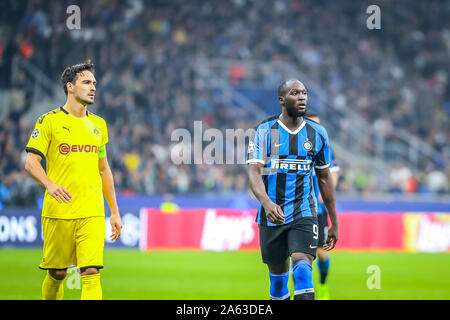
[332,238]
[274,212]
[116,226]
[59,193]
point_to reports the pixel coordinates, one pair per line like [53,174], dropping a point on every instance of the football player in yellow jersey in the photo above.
[77,180]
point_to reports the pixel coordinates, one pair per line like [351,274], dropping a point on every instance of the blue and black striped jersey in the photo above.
[289,159]
[333,167]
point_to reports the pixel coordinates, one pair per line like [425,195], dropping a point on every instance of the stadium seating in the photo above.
[148,85]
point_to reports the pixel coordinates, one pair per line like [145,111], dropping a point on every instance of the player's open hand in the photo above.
[59,193]
[332,238]
[116,226]
[274,212]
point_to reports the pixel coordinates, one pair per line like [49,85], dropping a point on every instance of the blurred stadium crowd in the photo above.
[145,52]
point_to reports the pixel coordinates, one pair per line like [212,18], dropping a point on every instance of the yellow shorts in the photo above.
[73,242]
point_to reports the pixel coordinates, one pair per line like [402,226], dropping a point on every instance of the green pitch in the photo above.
[131,274]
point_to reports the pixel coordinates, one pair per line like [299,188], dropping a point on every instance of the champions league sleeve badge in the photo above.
[35,133]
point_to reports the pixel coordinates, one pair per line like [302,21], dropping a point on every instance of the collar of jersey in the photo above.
[289,131]
[67,112]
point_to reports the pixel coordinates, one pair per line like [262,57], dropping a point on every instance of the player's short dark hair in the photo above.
[284,88]
[70,74]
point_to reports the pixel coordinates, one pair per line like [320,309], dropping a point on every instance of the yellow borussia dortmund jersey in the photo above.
[71,148]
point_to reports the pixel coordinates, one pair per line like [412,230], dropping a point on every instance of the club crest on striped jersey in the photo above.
[307,145]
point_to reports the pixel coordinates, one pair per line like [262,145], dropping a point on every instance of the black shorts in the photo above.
[279,242]
[323,228]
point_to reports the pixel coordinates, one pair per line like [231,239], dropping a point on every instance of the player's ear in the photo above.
[69,87]
[281,100]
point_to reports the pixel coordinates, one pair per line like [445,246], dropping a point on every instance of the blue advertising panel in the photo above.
[22,227]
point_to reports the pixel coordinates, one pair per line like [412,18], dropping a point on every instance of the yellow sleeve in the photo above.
[40,137]
[105,138]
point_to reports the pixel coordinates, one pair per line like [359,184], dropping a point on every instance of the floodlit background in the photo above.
[381,88]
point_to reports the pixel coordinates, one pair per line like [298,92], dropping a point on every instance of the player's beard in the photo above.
[85,101]
[295,113]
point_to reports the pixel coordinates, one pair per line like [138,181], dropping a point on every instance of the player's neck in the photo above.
[75,108]
[290,122]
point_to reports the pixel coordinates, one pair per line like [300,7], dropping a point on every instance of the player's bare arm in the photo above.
[326,187]
[34,168]
[335,176]
[110,196]
[273,211]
